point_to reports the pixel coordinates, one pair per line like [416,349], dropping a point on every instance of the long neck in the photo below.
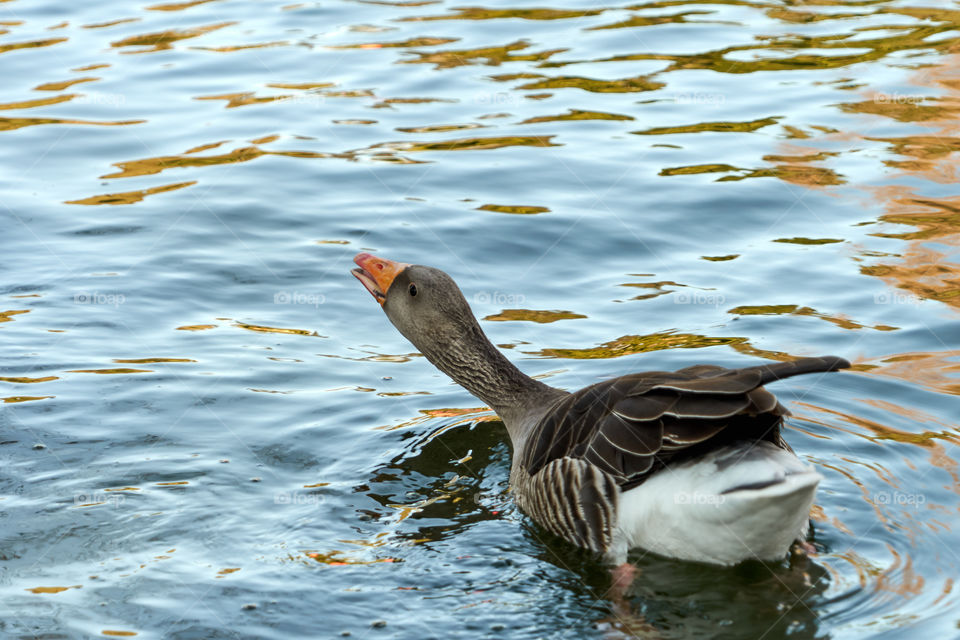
[478,366]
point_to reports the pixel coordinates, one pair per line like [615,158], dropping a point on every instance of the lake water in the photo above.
[210,430]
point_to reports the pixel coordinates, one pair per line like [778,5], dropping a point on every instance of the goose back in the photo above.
[630,427]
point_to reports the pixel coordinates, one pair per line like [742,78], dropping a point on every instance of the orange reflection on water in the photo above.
[923,269]
[937,371]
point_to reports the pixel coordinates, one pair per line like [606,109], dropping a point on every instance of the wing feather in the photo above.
[573,499]
[632,437]
[648,406]
[701,405]
[633,425]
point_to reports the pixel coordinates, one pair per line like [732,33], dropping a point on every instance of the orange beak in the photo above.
[377,274]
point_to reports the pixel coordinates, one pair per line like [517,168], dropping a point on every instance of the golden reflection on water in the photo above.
[480,13]
[243,98]
[493,56]
[130,197]
[633,344]
[806,241]
[471,144]
[39,102]
[439,128]
[150,360]
[265,329]
[847,50]
[302,86]
[14,399]
[577,114]
[151,166]
[410,42]
[6,316]
[243,47]
[30,45]
[831,51]
[794,174]
[732,256]
[53,589]
[531,315]
[152,42]
[516,209]
[119,370]
[8,124]
[383,152]
[26,380]
[795,310]
[111,23]
[63,84]
[656,288]
[623,85]
[726,127]
[177,6]
[375,357]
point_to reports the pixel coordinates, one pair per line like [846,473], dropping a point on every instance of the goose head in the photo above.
[423,303]
[428,308]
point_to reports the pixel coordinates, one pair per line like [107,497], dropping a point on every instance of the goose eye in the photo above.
[412,289]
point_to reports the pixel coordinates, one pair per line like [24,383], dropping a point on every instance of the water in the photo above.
[210,430]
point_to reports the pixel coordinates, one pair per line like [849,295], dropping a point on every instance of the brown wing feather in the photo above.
[632,425]
[572,499]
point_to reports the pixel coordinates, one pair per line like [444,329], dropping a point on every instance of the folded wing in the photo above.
[632,425]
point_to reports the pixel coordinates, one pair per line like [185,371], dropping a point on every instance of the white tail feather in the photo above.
[747,500]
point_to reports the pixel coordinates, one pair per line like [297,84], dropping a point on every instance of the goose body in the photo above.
[689,464]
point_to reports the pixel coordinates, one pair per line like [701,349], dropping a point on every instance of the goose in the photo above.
[689,464]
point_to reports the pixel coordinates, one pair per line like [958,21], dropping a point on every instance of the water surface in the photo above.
[210,430]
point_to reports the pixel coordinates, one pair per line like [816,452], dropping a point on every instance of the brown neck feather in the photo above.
[478,366]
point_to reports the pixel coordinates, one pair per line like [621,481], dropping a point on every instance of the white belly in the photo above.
[748,500]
